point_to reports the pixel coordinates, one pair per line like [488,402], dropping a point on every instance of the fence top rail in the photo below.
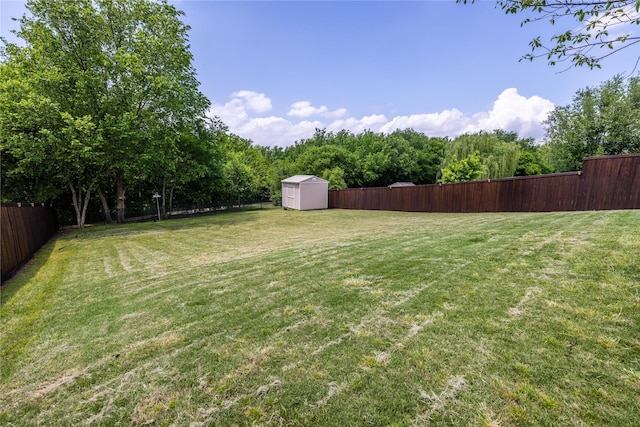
[615,156]
[513,178]
[23,205]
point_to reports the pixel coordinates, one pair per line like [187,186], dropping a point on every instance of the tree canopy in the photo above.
[100,90]
[602,120]
[480,155]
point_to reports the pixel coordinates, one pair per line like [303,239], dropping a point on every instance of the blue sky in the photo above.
[276,70]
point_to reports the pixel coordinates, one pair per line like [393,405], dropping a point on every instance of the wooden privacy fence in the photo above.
[23,230]
[606,182]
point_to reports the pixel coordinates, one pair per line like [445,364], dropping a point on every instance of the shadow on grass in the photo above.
[173,224]
[27,271]
[31,268]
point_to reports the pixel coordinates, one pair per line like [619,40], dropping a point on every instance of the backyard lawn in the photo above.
[329,318]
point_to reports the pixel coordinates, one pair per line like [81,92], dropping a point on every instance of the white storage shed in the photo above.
[305,192]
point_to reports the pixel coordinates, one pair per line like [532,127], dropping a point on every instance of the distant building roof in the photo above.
[402,184]
[297,179]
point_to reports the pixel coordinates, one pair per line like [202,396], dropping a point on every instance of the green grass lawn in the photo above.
[329,318]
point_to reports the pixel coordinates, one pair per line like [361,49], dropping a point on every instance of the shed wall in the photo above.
[314,195]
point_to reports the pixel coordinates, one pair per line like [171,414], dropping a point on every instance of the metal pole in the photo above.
[157,197]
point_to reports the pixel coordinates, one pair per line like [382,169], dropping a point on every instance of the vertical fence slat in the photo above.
[23,230]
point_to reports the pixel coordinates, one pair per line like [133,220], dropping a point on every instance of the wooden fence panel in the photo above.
[23,230]
[611,182]
[607,182]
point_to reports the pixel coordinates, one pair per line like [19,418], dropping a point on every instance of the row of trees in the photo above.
[100,104]
[101,93]
[376,159]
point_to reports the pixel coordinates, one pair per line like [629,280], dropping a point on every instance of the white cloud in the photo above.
[305,109]
[253,101]
[272,131]
[373,123]
[445,123]
[340,112]
[233,113]
[236,112]
[514,112]
[510,112]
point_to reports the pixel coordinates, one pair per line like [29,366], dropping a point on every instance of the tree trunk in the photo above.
[164,197]
[76,206]
[119,197]
[80,203]
[171,200]
[105,207]
[87,197]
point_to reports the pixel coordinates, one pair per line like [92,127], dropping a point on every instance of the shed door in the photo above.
[291,196]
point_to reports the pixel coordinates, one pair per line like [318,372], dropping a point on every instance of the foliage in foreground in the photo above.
[329,318]
[596,29]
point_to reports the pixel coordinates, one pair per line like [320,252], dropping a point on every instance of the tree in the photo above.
[115,80]
[194,168]
[600,120]
[498,157]
[469,168]
[317,160]
[604,28]
[242,181]
[530,160]
[335,177]
[367,159]
[428,152]
[47,145]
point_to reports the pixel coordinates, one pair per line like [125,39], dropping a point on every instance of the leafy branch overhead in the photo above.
[596,29]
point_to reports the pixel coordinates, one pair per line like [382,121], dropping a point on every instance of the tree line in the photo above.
[100,109]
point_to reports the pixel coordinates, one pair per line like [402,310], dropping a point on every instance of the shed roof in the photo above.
[297,179]
[402,184]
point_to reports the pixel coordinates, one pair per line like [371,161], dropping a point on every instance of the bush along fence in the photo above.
[24,228]
[606,182]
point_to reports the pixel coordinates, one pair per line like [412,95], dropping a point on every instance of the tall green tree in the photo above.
[469,168]
[367,159]
[247,174]
[116,80]
[195,169]
[498,157]
[531,160]
[600,120]
[596,29]
[323,161]
[428,152]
